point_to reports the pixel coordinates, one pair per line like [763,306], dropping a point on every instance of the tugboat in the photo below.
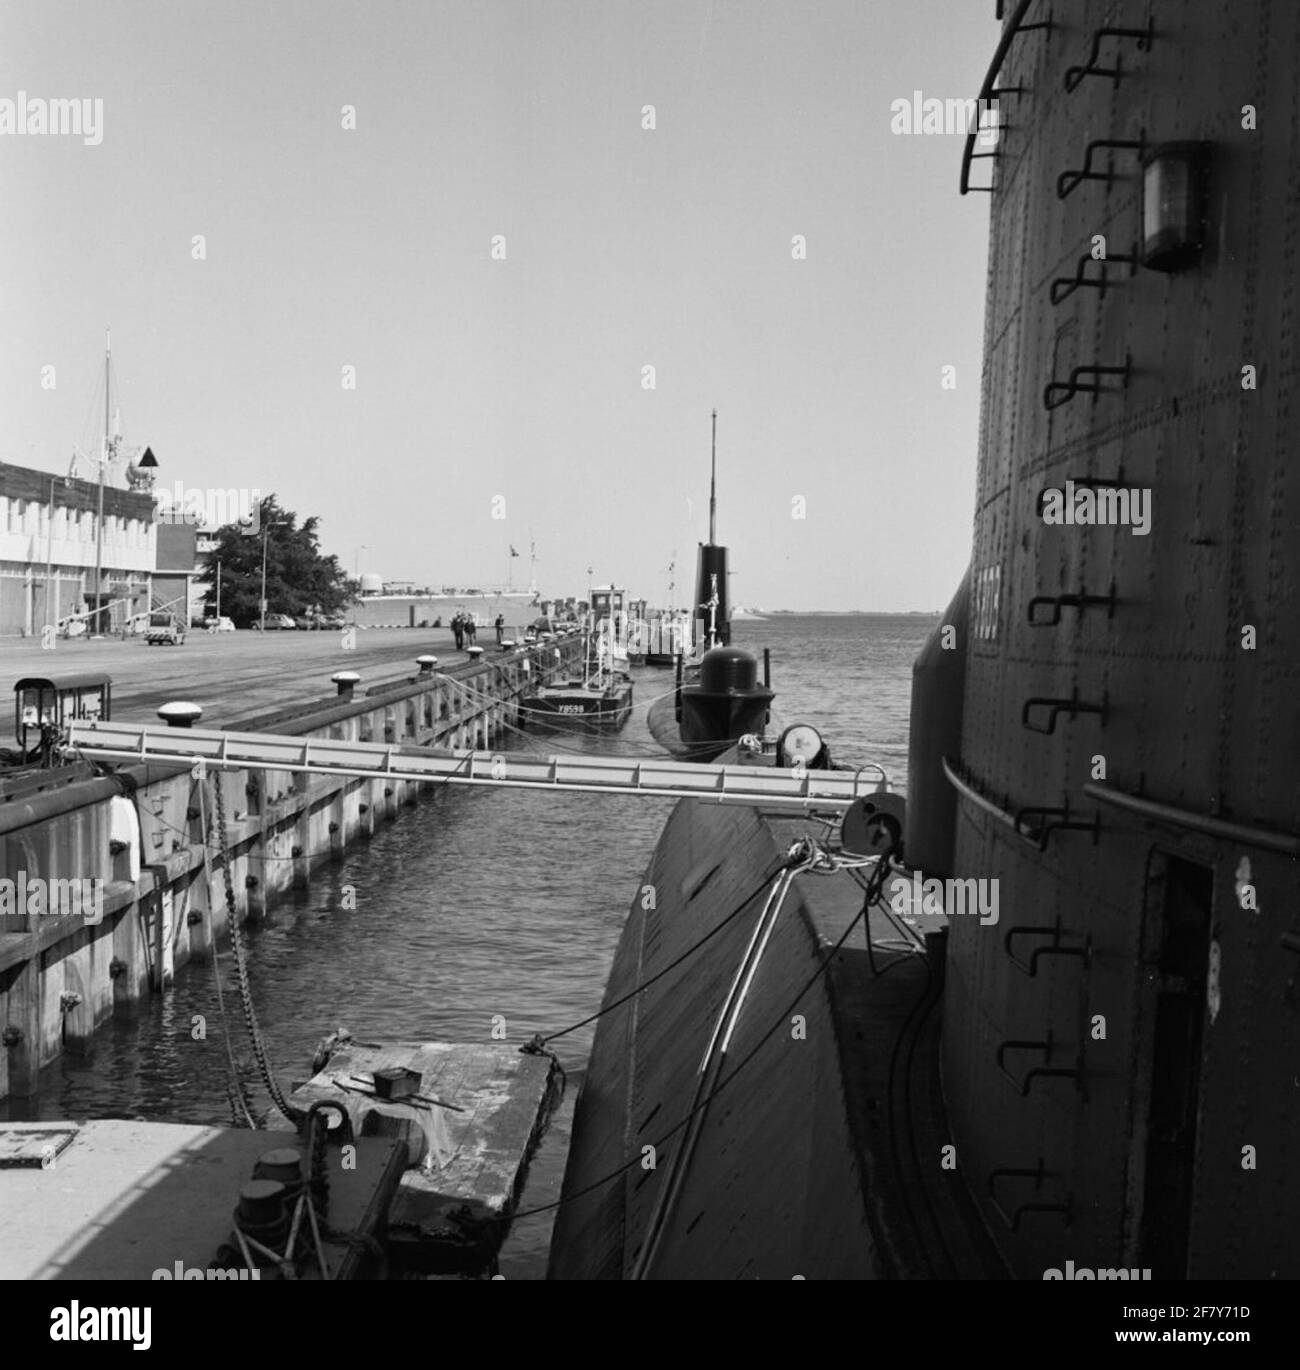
[718,700]
[602,698]
[1092,1073]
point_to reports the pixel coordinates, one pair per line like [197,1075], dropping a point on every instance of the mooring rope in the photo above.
[539,1040]
[779,1021]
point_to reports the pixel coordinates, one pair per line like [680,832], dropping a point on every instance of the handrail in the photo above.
[968,791]
[1009,33]
[1158,812]
[216,749]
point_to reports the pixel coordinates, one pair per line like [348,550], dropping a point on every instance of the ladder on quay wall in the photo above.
[216,749]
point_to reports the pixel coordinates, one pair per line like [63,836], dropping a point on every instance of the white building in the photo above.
[48,537]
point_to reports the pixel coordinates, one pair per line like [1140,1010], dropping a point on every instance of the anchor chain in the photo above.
[294,1115]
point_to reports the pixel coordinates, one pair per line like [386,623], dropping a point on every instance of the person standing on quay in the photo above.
[501,628]
[471,628]
[458,630]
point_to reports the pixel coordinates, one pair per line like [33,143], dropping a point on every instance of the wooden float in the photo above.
[469,1152]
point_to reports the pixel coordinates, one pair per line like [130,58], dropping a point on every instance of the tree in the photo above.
[298,578]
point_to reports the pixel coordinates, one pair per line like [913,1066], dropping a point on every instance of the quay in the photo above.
[151,833]
[421,1183]
[232,675]
[123,1200]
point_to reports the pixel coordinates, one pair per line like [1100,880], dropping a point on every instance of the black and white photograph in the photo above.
[651,640]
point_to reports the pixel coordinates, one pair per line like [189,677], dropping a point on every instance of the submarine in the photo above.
[799,1077]
[717,700]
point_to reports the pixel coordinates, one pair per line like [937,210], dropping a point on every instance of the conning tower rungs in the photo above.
[1038,1175]
[1064,286]
[1057,947]
[1069,181]
[1082,602]
[1073,706]
[1074,76]
[1076,385]
[1047,1046]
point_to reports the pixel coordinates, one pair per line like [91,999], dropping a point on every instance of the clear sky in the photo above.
[521,378]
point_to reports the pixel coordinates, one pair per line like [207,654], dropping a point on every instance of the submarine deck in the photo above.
[825,1159]
[886,1011]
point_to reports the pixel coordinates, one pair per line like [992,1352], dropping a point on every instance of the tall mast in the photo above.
[713,485]
[103,462]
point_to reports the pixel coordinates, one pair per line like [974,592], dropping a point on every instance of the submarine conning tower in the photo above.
[1119,1047]
[711,583]
[712,612]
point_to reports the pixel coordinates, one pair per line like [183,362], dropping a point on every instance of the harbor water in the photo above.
[475,912]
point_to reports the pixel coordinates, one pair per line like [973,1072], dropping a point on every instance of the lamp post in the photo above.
[266,533]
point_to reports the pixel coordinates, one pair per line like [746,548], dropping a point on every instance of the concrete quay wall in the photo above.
[160,898]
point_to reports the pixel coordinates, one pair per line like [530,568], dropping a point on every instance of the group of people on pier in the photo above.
[464,629]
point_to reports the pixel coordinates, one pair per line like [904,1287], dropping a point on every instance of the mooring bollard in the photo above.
[180,714]
[474,653]
[346,681]
[426,664]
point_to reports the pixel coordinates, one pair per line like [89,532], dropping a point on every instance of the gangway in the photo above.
[214,749]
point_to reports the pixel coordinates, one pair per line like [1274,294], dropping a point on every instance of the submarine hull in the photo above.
[814,1141]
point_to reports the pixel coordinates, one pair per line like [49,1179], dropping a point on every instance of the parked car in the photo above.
[276,623]
[306,623]
[164,630]
[72,627]
[219,625]
[334,621]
